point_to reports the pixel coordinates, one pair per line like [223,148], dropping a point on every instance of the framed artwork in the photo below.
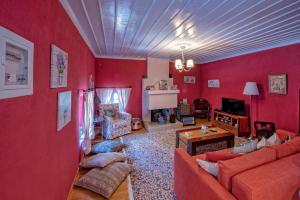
[163,85]
[59,67]
[278,84]
[213,83]
[64,106]
[189,79]
[16,66]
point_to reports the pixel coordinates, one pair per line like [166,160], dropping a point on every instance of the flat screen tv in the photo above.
[233,106]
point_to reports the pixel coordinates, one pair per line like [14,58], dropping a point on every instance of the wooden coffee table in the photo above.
[194,137]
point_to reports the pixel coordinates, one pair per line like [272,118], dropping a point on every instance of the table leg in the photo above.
[230,141]
[191,148]
[177,139]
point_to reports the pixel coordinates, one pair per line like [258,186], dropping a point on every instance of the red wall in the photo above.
[37,162]
[235,72]
[122,73]
[189,91]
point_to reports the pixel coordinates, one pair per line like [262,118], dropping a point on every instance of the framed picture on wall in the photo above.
[64,106]
[213,83]
[278,84]
[189,79]
[59,67]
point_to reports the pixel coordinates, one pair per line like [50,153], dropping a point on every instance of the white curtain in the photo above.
[88,118]
[123,94]
[104,94]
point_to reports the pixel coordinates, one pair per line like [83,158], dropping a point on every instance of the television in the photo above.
[233,106]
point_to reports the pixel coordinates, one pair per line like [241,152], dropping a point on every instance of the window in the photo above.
[114,97]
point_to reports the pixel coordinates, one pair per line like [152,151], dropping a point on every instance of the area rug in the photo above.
[152,156]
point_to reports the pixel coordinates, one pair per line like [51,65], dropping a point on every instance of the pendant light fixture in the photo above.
[182,64]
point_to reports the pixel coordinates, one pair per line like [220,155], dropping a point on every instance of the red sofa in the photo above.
[269,173]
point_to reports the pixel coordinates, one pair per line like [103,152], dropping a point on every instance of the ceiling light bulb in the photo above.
[178,64]
[189,63]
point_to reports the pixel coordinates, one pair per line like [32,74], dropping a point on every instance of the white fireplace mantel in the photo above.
[157,69]
[160,99]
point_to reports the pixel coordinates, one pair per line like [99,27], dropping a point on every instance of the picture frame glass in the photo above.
[15,65]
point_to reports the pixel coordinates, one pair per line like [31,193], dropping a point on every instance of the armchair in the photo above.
[114,123]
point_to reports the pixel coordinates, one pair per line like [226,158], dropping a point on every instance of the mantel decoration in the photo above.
[59,67]
[182,64]
[64,109]
[278,84]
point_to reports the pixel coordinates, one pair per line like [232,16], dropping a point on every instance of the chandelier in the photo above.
[182,64]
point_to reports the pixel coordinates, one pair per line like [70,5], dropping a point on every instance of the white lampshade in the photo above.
[178,64]
[189,63]
[251,89]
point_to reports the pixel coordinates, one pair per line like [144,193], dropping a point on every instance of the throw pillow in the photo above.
[215,156]
[262,143]
[102,159]
[210,167]
[107,146]
[246,147]
[105,181]
[274,139]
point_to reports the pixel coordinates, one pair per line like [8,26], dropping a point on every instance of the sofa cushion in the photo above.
[246,147]
[224,154]
[287,148]
[232,167]
[277,180]
[102,159]
[210,167]
[293,159]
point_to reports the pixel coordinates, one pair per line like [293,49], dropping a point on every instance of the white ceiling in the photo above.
[216,29]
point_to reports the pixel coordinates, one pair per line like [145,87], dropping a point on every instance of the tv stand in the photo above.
[236,124]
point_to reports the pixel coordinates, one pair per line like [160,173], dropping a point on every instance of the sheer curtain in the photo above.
[104,94]
[88,117]
[123,94]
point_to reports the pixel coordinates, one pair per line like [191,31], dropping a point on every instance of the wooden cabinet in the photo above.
[236,124]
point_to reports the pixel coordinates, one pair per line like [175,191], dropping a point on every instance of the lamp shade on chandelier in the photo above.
[182,64]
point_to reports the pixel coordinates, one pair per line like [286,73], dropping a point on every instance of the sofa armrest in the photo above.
[193,183]
[125,116]
[282,134]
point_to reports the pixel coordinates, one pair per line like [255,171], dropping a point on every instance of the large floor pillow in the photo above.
[107,146]
[105,181]
[102,159]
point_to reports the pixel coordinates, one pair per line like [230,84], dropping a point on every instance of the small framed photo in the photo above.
[64,106]
[278,84]
[213,83]
[163,85]
[189,79]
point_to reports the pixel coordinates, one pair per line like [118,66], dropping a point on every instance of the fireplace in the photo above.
[160,114]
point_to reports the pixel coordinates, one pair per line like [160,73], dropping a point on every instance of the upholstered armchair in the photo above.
[114,123]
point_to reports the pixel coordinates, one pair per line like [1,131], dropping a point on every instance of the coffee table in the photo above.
[194,137]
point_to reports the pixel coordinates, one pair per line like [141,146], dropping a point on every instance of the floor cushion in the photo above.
[230,168]
[107,146]
[102,159]
[287,148]
[277,180]
[105,181]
